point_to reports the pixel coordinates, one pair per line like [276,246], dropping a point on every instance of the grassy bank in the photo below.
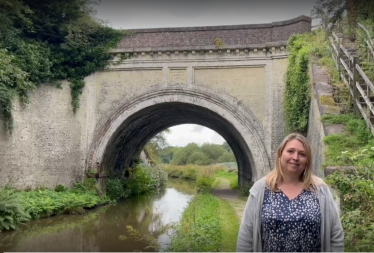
[196,172]
[354,147]
[207,224]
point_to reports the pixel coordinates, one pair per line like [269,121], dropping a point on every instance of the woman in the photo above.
[291,209]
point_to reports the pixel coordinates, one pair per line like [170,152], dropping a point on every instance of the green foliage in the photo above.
[205,154]
[354,147]
[204,184]
[333,13]
[356,136]
[12,212]
[61,188]
[200,229]
[115,189]
[232,176]
[198,158]
[182,154]
[48,41]
[191,172]
[88,185]
[142,179]
[356,187]
[230,226]
[17,207]
[156,145]
[167,154]
[366,56]
[297,92]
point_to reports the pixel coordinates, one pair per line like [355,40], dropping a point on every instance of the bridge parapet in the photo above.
[271,37]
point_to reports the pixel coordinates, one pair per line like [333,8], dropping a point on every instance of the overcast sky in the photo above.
[131,14]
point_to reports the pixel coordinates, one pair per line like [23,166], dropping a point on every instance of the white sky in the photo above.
[131,14]
[181,135]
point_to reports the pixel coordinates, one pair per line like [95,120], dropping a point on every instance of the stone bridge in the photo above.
[227,78]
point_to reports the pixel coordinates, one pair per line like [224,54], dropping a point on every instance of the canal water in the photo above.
[105,228]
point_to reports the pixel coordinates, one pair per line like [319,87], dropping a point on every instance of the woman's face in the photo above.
[294,158]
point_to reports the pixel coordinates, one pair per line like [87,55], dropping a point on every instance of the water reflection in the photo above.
[100,229]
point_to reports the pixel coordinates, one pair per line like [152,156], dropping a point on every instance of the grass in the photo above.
[230,226]
[207,224]
[193,172]
[231,176]
[356,136]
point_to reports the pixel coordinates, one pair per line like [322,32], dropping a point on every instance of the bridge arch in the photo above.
[121,134]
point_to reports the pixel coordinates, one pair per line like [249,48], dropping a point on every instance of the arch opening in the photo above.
[127,130]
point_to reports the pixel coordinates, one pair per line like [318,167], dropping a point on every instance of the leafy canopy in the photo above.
[48,41]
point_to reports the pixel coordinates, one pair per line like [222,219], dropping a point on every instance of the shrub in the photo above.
[61,188]
[12,211]
[145,179]
[204,184]
[115,189]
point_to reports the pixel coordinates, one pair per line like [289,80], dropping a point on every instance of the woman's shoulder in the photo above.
[317,181]
[258,185]
[320,185]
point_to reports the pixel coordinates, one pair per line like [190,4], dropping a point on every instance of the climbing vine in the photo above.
[46,42]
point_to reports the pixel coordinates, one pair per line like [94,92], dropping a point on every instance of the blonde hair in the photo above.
[276,175]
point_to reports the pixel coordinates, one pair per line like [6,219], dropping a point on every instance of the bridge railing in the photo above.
[347,61]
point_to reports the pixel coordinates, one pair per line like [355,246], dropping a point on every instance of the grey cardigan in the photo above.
[249,238]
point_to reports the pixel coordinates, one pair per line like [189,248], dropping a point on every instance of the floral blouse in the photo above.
[291,225]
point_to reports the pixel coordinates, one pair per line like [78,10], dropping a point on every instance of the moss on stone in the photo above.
[327,100]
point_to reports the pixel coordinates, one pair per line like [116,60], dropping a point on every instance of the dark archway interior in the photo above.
[127,142]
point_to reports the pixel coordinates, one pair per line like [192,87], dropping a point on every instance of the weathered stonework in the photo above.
[171,78]
[317,131]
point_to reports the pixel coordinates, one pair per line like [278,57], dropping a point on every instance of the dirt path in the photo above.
[224,191]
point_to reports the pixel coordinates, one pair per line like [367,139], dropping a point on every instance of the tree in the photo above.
[213,151]
[167,154]
[156,145]
[227,157]
[199,158]
[181,155]
[332,12]
[226,146]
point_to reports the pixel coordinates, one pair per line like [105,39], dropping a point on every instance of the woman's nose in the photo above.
[295,156]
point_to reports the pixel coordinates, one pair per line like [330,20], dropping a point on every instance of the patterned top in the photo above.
[291,225]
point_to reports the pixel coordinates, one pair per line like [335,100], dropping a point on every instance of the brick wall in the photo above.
[206,36]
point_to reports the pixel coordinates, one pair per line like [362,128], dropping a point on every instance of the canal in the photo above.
[105,228]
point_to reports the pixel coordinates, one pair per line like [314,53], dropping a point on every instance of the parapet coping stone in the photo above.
[277,44]
[222,27]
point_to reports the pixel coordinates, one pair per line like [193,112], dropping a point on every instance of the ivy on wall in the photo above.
[297,93]
[46,41]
